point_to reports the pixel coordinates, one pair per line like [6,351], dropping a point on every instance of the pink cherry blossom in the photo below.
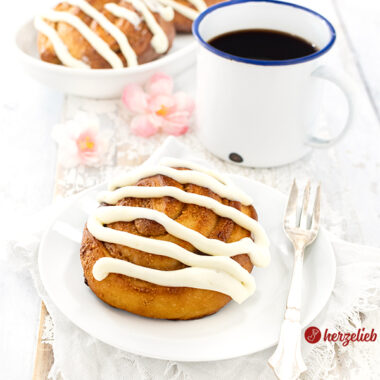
[160,83]
[143,125]
[81,142]
[157,108]
[135,98]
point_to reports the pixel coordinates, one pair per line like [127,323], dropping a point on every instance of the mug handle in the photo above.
[346,86]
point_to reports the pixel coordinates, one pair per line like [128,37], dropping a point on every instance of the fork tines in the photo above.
[300,217]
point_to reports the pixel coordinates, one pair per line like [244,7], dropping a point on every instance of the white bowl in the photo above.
[102,83]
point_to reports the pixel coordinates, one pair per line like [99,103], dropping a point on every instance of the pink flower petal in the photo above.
[176,130]
[91,147]
[184,102]
[143,125]
[178,117]
[161,104]
[134,98]
[81,141]
[176,123]
[160,83]
[87,141]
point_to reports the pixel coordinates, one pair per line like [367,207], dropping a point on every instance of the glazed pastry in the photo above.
[173,241]
[186,11]
[103,34]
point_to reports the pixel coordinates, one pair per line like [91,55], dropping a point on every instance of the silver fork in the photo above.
[287,362]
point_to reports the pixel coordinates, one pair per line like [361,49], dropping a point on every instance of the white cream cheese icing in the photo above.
[160,41]
[93,39]
[125,13]
[110,28]
[111,214]
[243,220]
[199,4]
[178,163]
[183,176]
[59,47]
[205,278]
[167,13]
[218,272]
[188,12]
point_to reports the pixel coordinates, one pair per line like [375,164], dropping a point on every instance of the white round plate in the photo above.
[100,83]
[235,330]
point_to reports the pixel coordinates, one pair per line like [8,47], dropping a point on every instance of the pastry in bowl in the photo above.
[186,11]
[173,241]
[102,34]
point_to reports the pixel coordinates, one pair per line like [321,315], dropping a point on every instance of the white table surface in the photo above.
[27,156]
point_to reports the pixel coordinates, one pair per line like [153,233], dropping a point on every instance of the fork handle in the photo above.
[287,361]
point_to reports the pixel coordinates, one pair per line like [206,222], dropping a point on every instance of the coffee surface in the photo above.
[263,44]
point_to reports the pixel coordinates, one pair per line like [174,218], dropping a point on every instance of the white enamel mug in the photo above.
[261,113]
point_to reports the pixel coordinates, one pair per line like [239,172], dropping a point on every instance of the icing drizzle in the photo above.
[183,176]
[199,4]
[60,48]
[216,272]
[125,13]
[167,13]
[188,12]
[94,40]
[160,42]
[110,28]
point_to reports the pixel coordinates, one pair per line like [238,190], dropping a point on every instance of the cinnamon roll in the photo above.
[103,34]
[186,11]
[173,241]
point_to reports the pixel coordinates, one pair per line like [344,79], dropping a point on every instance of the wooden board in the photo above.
[44,352]
[44,358]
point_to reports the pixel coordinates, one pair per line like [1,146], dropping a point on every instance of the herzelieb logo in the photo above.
[314,335]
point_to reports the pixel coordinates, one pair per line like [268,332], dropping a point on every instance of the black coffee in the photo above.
[263,44]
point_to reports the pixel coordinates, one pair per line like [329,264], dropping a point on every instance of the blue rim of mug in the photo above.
[317,54]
